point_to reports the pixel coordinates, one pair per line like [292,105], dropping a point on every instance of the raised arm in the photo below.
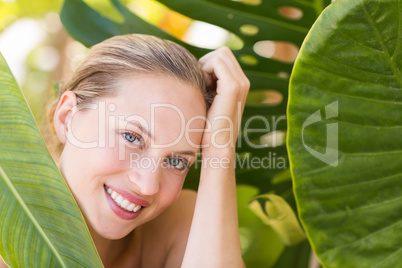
[214,236]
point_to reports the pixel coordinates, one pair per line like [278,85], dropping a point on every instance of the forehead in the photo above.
[145,91]
[163,105]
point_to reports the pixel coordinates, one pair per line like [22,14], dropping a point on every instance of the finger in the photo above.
[206,57]
[237,76]
[224,77]
[227,56]
[230,59]
[232,63]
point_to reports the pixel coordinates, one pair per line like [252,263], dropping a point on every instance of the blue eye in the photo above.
[178,163]
[132,138]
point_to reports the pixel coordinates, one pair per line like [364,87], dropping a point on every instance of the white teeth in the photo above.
[121,201]
[136,208]
[131,207]
[118,199]
[125,203]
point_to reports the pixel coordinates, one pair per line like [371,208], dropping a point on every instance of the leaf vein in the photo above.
[399,35]
[358,69]
[363,126]
[367,236]
[360,44]
[389,257]
[367,182]
[30,216]
[372,153]
[360,97]
[387,56]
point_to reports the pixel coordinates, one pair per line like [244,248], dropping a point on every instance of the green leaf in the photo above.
[297,256]
[261,246]
[98,28]
[40,223]
[274,211]
[345,129]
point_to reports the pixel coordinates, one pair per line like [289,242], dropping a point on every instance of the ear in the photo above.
[63,114]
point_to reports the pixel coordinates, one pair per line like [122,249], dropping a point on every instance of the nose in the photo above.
[146,175]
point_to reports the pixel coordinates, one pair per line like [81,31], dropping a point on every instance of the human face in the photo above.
[109,153]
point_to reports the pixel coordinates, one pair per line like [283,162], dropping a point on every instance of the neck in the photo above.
[110,251]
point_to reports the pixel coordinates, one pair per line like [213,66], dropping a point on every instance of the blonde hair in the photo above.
[107,62]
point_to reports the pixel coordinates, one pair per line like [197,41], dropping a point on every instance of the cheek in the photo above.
[91,150]
[170,189]
[84,168]
[84,131]
[85,171]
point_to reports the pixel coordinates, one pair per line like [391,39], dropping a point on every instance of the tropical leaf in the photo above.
[40,223]
[274,211]
[267,23]
[261,246]
[297,256]
[98,28]
[345,129]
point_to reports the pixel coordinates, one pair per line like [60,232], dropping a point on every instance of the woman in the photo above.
[131,121]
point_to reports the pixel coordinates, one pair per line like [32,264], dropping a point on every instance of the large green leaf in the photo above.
[40,223]
[89,27]
[345,129]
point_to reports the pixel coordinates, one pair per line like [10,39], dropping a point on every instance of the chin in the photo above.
[107,229]
[113,233]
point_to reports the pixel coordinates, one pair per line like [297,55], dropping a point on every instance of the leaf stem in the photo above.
[36,224]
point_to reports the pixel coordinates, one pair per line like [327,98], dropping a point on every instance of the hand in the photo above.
[223,74]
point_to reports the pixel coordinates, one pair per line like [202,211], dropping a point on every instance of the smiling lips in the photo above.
[121,201]
[123,207]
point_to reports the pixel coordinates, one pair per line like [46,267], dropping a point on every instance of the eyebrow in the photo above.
[190,153]
[144,130]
